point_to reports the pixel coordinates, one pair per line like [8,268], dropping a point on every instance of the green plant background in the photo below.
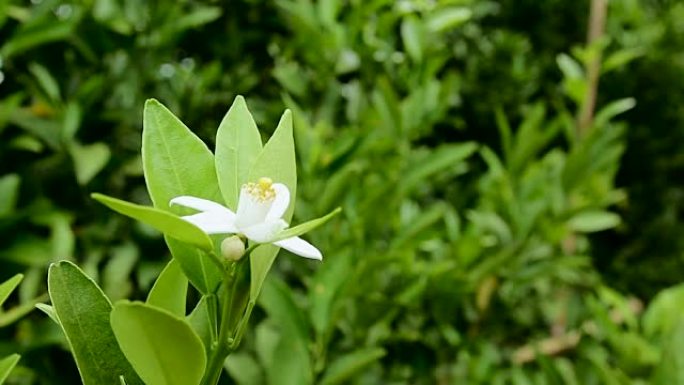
[477,229]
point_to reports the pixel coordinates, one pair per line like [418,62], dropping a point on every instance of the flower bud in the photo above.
[233,248]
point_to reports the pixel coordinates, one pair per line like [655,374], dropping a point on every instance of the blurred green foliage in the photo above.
[482,241]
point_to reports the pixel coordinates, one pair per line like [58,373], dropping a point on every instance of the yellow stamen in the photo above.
[262,190]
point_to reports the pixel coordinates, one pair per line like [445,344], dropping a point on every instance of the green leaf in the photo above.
[612,109]
[447,18]
[570,67]
[170,290]
[6,366]
[117,272]
[7,287]
[345,367]
[167,223]
[203,320]
[278,302]
[46,81]
[49,311]
[162,348]
[276,161]
[238,144]
[88,160]
[664,312]
[9,192]
[290,364]
[670,370]
[83,312]
[412,35]
[324,289]
[38,34]
[176,162]
[443,157]
[306,226]
[244,369]
[592,221]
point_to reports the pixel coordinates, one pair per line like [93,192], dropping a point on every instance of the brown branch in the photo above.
[597,23]
[556,345]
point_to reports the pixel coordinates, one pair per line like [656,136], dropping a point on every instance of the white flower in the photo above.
[259,216]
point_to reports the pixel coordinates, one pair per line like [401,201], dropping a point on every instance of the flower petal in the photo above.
[212,222]
[280,203]
[201,204]
[251,210]
[300,247]
[264,232]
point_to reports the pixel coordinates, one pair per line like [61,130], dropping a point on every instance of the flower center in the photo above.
[262,190]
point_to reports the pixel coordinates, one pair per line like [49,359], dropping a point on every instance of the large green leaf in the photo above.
[6,366]
[276,161]
[238,144]
[670,369]
[7,287]
[162,348]
[169,224]
[83,312]
[176,162]
[170,290]
[291,360]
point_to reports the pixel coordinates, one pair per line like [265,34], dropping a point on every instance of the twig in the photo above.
[597,23]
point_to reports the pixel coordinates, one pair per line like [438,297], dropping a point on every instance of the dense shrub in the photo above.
[446,132]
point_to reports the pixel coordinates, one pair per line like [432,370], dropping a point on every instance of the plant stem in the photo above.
[223,346]
[597,23]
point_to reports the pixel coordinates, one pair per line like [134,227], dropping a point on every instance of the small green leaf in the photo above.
[116,273]
[447,18]
[276,161]
[176,162]
[569,66]
[83,312]
[345,367]
[45,80]
[167,223]
[7,287]
[49,311]
[412,35]
[88,160]
[238,144]
[170,290]
[306,226]
[9,193]
[612,109]
[592,221]
[6,366]
[162,348]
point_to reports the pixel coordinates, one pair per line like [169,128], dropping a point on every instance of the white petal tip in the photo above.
[298,246]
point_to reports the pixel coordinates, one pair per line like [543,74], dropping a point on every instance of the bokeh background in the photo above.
[489,235]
